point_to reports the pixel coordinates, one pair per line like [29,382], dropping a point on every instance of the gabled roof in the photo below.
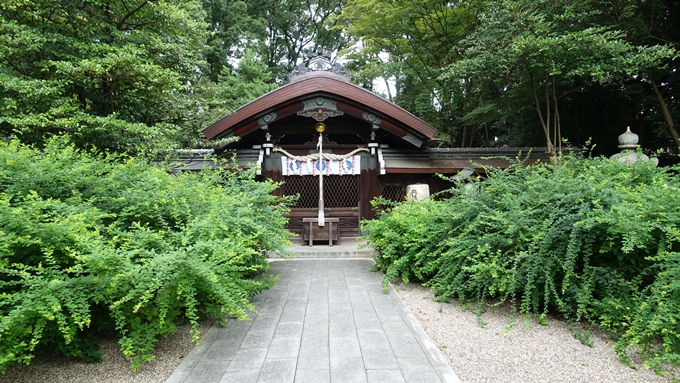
[349,99]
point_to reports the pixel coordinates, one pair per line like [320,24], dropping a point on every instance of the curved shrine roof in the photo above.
[327,90]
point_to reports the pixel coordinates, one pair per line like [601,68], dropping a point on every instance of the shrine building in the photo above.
[371,147]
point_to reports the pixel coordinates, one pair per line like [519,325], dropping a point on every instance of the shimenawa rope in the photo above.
[326,156]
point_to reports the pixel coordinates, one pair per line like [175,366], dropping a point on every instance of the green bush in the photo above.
[91,243]
[588,239]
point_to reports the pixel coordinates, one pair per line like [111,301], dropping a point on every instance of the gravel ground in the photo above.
[524,352]
[114,368]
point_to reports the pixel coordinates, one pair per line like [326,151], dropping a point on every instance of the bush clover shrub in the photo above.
[588,239]
[92,242]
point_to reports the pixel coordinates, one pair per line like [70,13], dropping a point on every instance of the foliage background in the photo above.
[126,75]
[470,68]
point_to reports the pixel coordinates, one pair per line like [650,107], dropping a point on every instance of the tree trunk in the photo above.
[475,129]
[545,122]
[667,116]
[464,140]
[558,125]
[389,91]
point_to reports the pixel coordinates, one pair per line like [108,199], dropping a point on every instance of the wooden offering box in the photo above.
[311,231]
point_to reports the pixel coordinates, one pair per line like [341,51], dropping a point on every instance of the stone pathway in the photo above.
[327,320]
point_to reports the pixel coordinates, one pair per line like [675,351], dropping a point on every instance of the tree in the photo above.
[115,74]
[280,33]
[650,23]
[411,42]
[295,27]
[499,72]
[552,49]
[233,26]
[234,87]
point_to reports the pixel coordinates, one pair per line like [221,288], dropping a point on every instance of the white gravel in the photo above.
[497,352]
[114,368]
[523,352]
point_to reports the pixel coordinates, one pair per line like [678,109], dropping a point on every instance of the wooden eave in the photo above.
[351,100]
[452,160]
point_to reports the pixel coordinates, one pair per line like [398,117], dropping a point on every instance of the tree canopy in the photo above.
[127,75]
[526,72]
[113,74]
[545,52]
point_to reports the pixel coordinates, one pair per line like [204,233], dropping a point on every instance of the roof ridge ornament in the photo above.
[319,60]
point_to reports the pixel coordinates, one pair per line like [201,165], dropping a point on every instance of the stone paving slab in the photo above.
[347,248]
[326,320]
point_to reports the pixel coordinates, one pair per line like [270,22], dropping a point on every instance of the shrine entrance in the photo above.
[338,146]
[341,200]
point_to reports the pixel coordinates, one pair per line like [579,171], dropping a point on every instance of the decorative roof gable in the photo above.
[321,90]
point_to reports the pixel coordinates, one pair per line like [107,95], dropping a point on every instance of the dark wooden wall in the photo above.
[369,188]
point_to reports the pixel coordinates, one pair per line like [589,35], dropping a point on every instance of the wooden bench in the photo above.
[311,230]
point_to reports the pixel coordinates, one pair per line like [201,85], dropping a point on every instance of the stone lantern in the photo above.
[628,143]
